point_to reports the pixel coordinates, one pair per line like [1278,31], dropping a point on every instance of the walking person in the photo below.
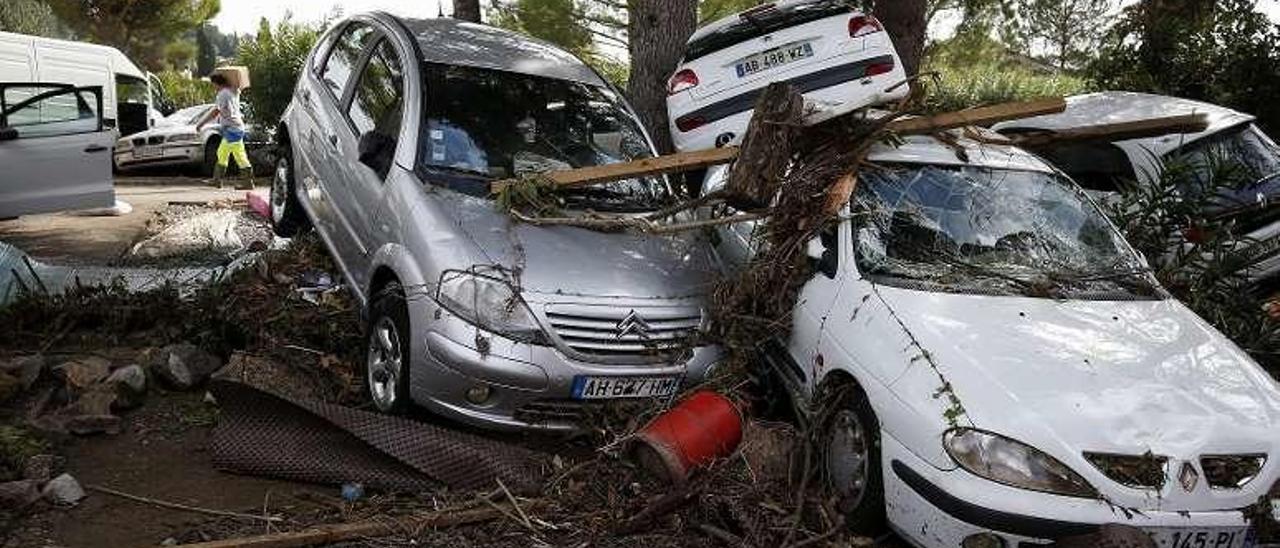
[231,121]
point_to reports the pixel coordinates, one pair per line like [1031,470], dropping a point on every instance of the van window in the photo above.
[378,104]
[762,20]
[43,111]
[344,56]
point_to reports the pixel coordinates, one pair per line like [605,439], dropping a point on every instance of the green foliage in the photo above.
[975,71]
[142,30]
[275,58]
[17,444]
[1222,52]
[1068,30]
[1200,258]
[30,17]
[711,10]
[572,25]
[206,51]
[184,91]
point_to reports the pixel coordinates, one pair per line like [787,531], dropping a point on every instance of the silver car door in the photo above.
[54,148]
[368,141]
[337,76]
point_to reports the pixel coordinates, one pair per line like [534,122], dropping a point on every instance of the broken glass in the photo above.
[965,228]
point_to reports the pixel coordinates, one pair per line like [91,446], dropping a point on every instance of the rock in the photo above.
[85,425]
[16,495]
[84,372]
[185,366]
[130,385]
[9,387]
[169,542]
[26,368]
[39,467]
[63,490]
[97,401]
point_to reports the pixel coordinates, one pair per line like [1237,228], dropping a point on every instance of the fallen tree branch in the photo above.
[325,534]
[176,506]
[619,224]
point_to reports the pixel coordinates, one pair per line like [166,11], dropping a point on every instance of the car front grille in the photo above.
[583,413]
[620,332]
[1142,471]
[1231,471]
[139,141]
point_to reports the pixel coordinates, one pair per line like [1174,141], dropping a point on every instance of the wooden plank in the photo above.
[688,161]
[981,116]
[671,163]
[325,534]
[1121,131]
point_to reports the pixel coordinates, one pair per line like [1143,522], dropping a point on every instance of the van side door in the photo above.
[54,148]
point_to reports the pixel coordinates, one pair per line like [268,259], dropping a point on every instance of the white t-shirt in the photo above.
[229,113]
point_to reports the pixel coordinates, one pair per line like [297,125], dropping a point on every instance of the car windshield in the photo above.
[762,20]
[973,229]
[1255,153]
[188,116]
[496,125]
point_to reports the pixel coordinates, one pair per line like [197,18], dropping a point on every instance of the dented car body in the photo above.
[1016,374]
[396,129]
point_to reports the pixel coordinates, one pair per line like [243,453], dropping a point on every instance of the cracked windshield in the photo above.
[971,229]
[547,125]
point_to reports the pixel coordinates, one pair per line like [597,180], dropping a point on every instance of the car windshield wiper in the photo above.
[458,171]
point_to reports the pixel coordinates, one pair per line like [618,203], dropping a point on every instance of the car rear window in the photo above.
[763,20]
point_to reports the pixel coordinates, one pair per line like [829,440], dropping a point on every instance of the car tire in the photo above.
[287,216]
[387,351]
[210,156]
[849,457]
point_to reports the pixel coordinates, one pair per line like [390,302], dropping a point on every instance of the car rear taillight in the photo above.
[862,25]
[878,68]
[685,79]
[689,123]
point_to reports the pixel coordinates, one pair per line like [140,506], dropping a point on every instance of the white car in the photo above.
[1013,375]
[175,141]
[1104,167]
[838,58]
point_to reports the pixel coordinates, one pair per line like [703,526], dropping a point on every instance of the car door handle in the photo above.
[95,148]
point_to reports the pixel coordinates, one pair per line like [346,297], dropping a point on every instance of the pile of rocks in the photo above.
[91,390]
[36,485]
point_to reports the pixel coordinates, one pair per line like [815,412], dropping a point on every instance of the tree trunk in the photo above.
[905,21]
[466,10]
[658,30]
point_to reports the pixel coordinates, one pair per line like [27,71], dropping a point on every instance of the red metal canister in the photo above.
[700,429]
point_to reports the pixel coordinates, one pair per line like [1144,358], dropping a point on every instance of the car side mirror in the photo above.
[8,133]
[375,151]
[822,258]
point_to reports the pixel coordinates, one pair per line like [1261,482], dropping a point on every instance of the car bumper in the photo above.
[165,155]
[530,385]
[936,508]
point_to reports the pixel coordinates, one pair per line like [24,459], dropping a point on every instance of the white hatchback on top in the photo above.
[838,58]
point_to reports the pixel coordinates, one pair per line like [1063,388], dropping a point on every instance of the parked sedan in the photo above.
[1000,370]
[840,59]
[396,129]
[175,141]
[1106,168]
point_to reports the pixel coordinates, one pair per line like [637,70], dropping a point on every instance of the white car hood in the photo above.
[1102,376]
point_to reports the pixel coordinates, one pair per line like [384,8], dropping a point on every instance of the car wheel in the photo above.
[210,157]
[287,217]
[850,458]
[386,376]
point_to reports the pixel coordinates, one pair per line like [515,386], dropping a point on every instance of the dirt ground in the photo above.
[66,238]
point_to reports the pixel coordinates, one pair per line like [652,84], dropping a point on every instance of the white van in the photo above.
[132,98]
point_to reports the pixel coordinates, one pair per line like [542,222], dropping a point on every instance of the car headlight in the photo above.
[182,138]
[1014,463]
[489,303]
[124,144]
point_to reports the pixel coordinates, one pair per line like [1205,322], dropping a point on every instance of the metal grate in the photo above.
[1231,471]
[1142,471]
[623,332]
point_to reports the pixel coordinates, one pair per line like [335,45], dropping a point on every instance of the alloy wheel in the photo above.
[279,190]
[383,364]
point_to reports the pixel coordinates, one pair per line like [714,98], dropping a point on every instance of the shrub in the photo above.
[975,70]
[186,92]
[275,58]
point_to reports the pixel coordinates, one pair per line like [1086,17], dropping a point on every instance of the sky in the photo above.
[241,16]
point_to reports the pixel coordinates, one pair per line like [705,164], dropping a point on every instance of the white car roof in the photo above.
[1125,106]
[925,149]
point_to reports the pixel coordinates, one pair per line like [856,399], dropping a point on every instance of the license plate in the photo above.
[147,152]
[1202,538]
[775,57]
[602,388]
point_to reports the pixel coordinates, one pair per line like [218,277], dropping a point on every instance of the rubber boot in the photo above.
[247,183]
[218,173]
